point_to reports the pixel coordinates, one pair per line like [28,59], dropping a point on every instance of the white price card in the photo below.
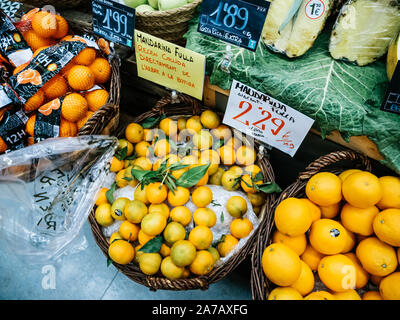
[265,118]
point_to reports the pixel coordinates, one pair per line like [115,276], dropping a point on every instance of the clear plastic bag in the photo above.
[47,191]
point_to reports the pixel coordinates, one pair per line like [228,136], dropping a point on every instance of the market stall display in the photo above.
[189,196]
[332,234]
[62,80]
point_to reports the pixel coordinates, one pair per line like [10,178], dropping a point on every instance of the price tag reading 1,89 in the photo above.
[234,21]
[113,21]
[265,118]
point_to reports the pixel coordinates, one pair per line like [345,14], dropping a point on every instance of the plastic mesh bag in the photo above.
[47,191]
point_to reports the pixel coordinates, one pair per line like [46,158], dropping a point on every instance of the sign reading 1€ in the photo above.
[169,65]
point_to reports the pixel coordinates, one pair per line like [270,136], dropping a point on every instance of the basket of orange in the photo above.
[86,89]
[185,197]
[333,235]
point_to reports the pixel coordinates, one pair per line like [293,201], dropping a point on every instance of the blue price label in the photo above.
[113,21]
[235,21]
[391,103]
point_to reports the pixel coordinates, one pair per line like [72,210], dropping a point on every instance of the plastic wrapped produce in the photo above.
[364,30]
[292,26]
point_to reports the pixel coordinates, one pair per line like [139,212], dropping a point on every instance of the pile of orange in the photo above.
[77,88]
[158,231]
[345,235]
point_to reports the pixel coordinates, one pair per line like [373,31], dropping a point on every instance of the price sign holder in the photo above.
[235,21]
[114,22]
[266,119]
[391,103]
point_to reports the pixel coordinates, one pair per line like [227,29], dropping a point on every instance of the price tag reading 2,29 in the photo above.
[266,119]
[113,21]
[234,21]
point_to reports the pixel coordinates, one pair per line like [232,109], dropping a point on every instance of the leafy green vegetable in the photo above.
[153,245]
[338,95]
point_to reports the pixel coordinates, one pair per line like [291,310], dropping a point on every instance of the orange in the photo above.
[372,295]
[101,70]
[55,87]
[305,282]
[114,237]
[35,102]
[170,270]
[202,264]
[156,193]
[68,129]
[103,215]
[362,189]
[183,253]
[174,232]
[62,27]
[236,206]
[169,126]
[328,236]
[81,78]
[297,243]
[358,220]
[319,295]
[178,197]
[65,71]
[222,132]
[144,237]
[129,231]
[391,193]
[205,217]
[347,295]
[389,288]
[331,211]
[194,123]
[245,156]
[347,173]
[85,57]
[376,257]
[165,251]
[203,181]
[281,264]
[248,185]
[162,148]
[85,119]
[181,214]
[337,272]
[292,217]
[35,41]
[362,276]
[315,211]
[134,132]
[227,244]
[234,143]
[181,123]
[44,24]
[96,99]
[201,237]
[116,164]
[212,157]
[140,194]
[227,155]
[142,149]
[153,224]
[284,293]
[143,163]
[312,257]
[324,189]
[30,125]
[350,241]
[74,107]
[161,208]
[210,119]
[241,227]
[202,196]
[149,263]
[101,196]
[386,226]
[121,252]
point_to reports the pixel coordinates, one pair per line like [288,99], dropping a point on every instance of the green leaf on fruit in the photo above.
[268,187]
[192,176]
[153,245]
[110,193]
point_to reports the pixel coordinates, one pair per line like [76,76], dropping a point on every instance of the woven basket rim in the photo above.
[167,13]
[133,272]
[260,285]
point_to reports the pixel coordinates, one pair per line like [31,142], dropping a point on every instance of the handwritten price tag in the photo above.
[234,21]
[113,21]
[265,118]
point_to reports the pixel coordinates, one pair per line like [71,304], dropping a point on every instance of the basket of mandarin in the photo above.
[333,235]
[185,200]
[62,82]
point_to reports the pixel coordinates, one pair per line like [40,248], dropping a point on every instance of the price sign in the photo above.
[266,119]
[391,103]
[113,21]
[234,21]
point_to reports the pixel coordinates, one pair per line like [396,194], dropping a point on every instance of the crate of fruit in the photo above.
[333,235]
[56,82]
[185,197]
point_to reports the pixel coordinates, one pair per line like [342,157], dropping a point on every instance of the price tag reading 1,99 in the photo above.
[113,21]
[234,21]
[266,119]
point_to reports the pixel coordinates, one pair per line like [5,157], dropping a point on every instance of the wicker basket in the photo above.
[169,25]
[186,107]
[65,4]
[333,162]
